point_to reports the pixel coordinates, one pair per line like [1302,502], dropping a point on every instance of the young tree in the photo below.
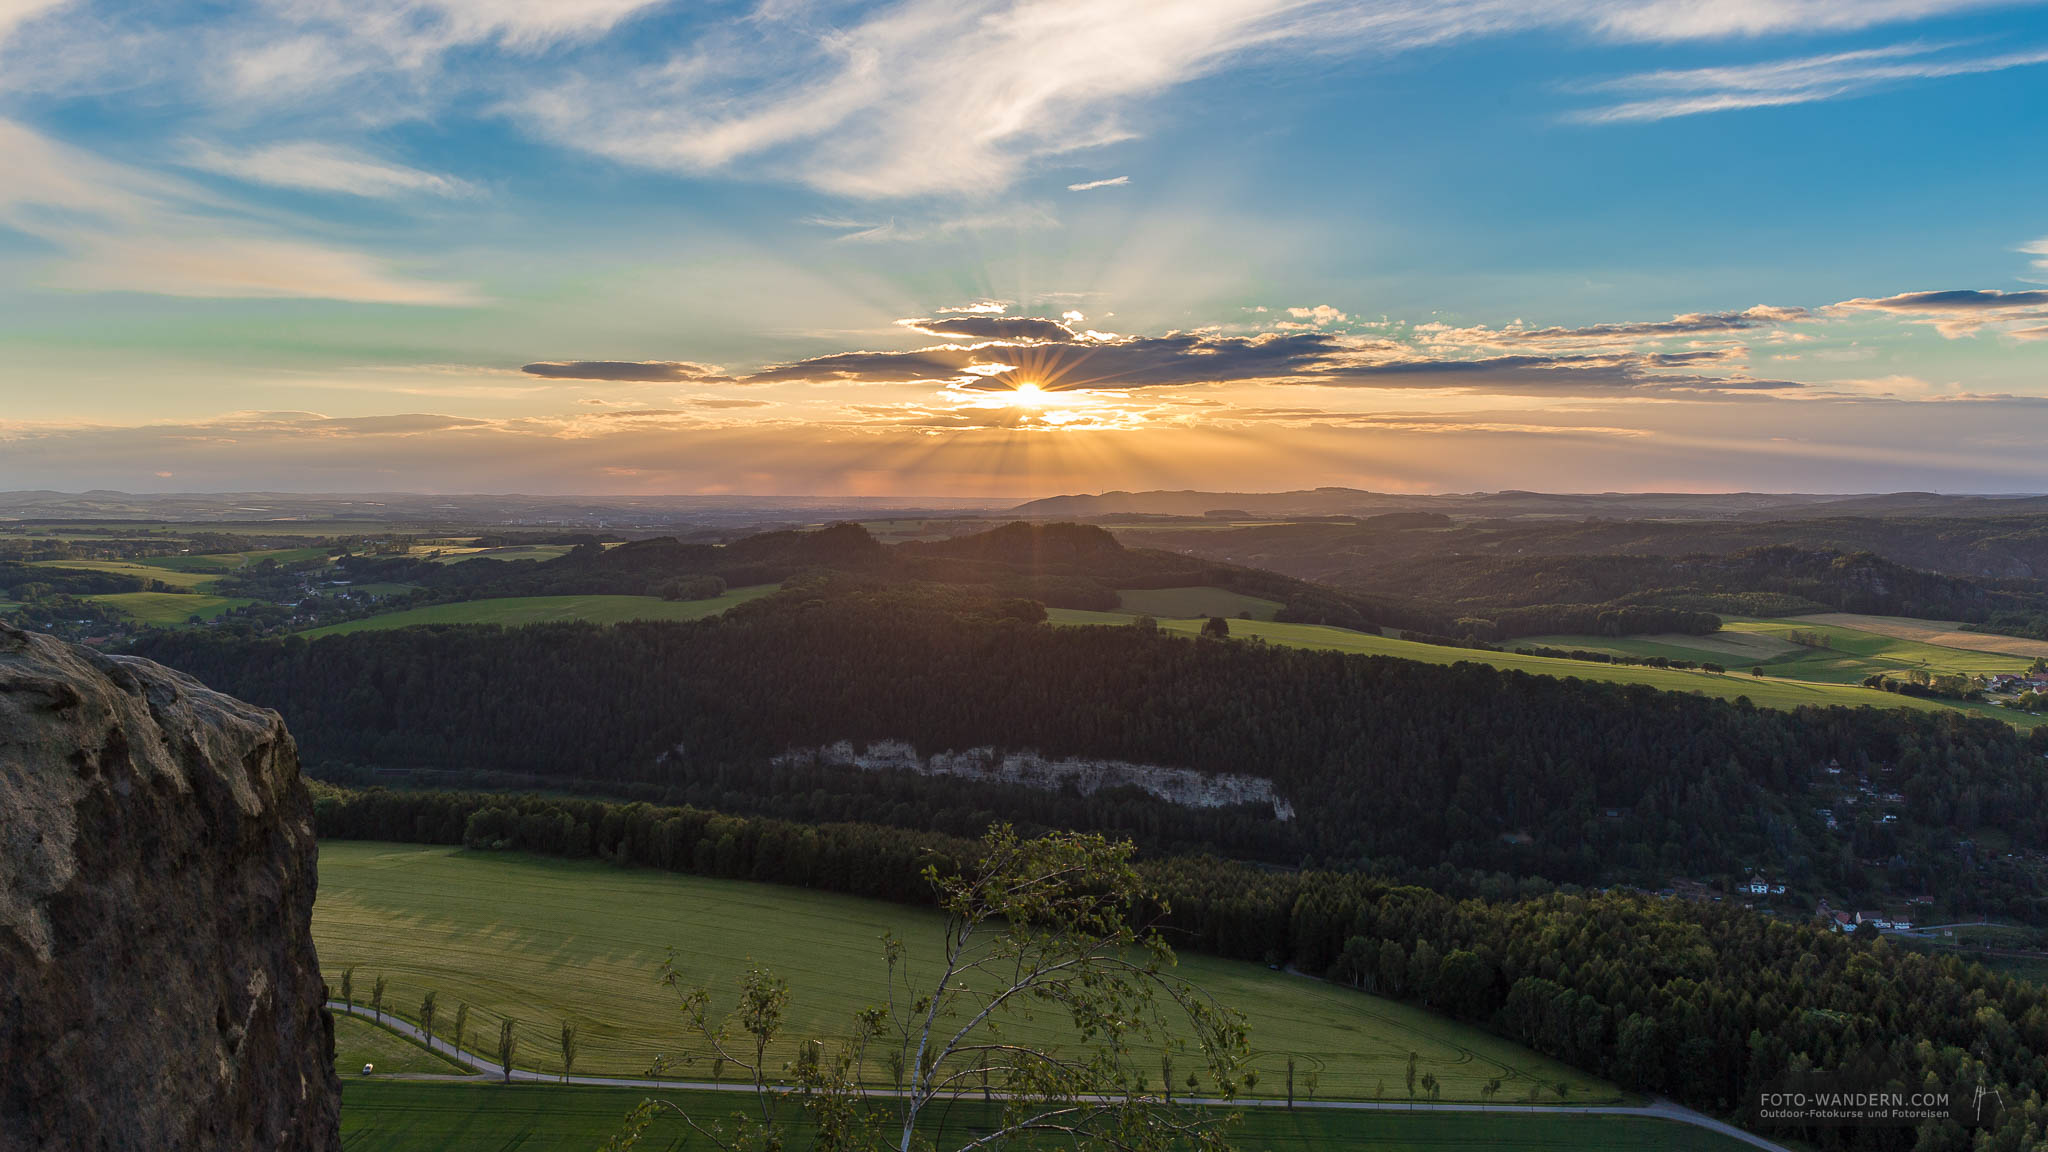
[427,1018]
[1411,1075]
[508,1042]
[568,1050]
[461,1023]
[377,999]
[1290,1083]
[1033,926]
[348,988]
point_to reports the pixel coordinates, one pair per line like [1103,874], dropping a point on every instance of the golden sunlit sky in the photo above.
[1008,248]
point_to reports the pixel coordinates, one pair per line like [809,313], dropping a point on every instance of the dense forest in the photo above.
[1383,760]
[1701,1002]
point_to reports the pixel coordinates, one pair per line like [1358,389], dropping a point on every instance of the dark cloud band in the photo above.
[637,371]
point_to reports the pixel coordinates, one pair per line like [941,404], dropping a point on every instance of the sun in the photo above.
[1027,395]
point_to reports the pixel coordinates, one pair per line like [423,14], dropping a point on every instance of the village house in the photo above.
[1756,885]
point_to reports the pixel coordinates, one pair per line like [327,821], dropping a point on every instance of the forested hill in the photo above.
[1383,759]
[1991,571]
[1060,565]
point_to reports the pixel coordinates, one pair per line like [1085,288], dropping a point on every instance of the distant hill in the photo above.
[1612,505]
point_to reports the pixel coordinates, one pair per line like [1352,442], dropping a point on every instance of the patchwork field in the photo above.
[397,1116]
[544,941]
[168,608]
[1771,690]
[1935,632]
[1856,647]
[517,610]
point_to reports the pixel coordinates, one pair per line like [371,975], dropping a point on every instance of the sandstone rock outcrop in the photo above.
[158,987]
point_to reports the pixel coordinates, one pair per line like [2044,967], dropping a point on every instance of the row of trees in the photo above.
[508,1027]
[1702,1002]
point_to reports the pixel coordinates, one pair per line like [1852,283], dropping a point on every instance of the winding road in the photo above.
[490,1070]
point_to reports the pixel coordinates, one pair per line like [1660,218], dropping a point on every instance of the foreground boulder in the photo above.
[158,988]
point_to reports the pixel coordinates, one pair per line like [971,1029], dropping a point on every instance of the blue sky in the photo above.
[624,245]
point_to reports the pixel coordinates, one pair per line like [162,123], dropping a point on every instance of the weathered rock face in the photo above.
[158,988]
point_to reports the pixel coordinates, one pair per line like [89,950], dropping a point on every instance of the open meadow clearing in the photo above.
[545,941]
[517,610]
[359,1042]
[1767,691]
[401,1116]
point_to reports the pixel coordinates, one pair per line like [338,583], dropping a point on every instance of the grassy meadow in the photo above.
[359,1042]
[545,941]
[517,610]
[401,1116]
[1767,691]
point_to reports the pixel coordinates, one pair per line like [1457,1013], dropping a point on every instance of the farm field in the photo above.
[545,941]
[168,608]
[174,577]
[1935,632]
[1183,603]
[517,610]
[1856,648]
[1767,691]
[456,554]
[400,1116]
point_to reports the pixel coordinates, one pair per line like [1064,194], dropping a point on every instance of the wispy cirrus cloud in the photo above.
[904,99]
[1091,185]
[960,96]
[312,166]
[1667,94]
[122,229]
[2038,249]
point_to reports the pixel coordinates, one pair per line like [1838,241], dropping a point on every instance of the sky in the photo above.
[996,248]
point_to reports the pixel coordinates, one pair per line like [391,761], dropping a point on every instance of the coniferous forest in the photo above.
[1386,762]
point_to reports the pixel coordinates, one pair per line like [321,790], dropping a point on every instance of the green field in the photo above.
[203,565]
[397,1116]
[516,610]
[168,609]
[1768,691]
[141,571]
[548,940]
[360,1042]
[1850,655]
[1182,603]
[509,552]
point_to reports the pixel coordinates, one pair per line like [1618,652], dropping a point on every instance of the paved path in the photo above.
[490,1070]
